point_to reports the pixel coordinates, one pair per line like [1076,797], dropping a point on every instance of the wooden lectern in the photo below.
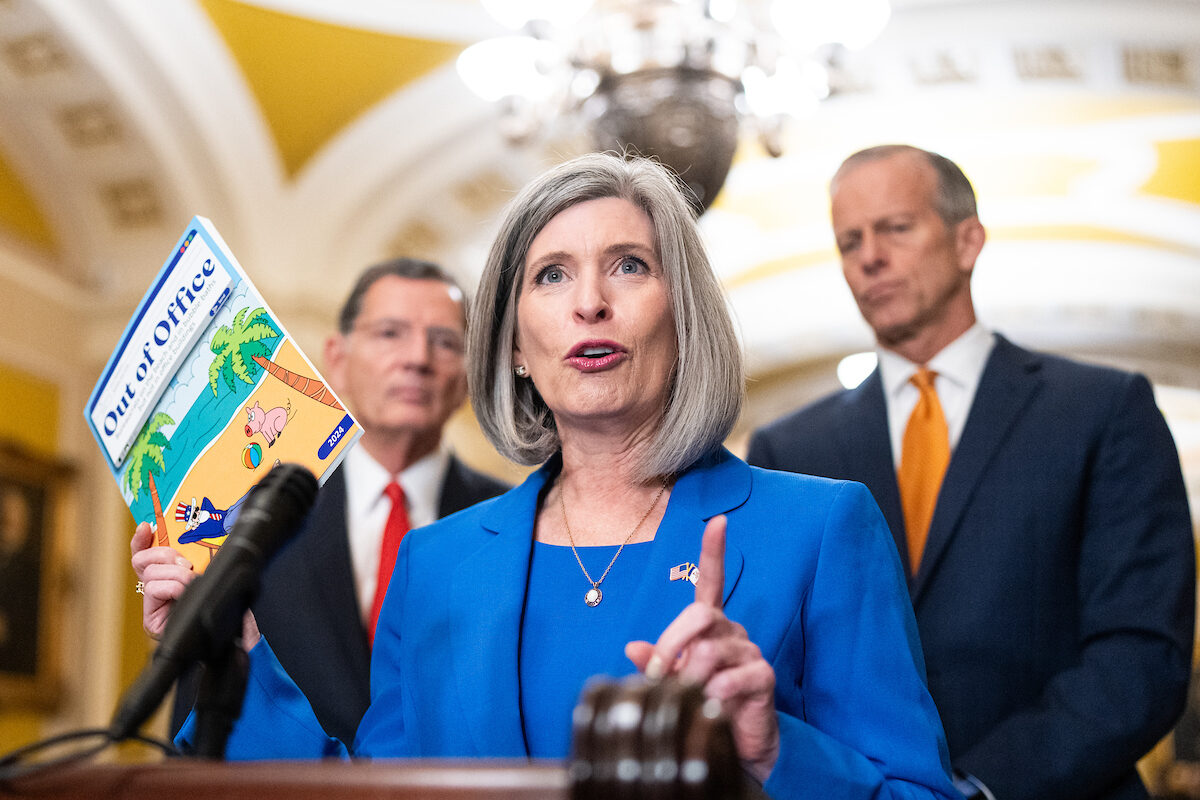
[635,740]
[327,780]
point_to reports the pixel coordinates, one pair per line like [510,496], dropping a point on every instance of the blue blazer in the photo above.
[308,607]
[1055,598]
[809,571]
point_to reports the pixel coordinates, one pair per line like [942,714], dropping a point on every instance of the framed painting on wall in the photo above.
[32,494]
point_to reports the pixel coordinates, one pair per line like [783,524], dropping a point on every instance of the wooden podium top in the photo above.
[327,780]
[660,740]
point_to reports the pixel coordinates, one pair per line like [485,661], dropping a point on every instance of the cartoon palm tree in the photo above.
[234,347]
[145,457]
[309,387]
[160,523]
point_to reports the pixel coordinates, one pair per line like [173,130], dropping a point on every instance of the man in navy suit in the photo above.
[1054,585]
[397,361]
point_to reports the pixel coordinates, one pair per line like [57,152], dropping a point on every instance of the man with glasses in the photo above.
[398,362]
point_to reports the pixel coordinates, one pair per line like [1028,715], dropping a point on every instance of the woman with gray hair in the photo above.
[601,345]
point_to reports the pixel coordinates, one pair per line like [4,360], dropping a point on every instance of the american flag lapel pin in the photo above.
[684,572]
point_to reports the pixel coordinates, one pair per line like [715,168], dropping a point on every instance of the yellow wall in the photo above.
[29,421]
[30,418]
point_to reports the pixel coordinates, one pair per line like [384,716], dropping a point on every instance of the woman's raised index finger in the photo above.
[710,583]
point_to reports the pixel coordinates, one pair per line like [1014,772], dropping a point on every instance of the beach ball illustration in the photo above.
[251,455]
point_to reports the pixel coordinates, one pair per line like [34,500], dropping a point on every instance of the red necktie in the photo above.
[924,456]
[397,525]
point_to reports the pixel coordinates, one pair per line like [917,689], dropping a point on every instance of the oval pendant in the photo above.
[593,596]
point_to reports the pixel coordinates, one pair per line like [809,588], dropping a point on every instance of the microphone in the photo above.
[208,615]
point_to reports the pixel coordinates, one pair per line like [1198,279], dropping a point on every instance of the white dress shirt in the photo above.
[367,509]
[959,365]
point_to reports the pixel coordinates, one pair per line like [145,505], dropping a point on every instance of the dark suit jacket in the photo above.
[308,610]
[1055,599]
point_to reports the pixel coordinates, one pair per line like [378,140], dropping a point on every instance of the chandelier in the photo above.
[677,80]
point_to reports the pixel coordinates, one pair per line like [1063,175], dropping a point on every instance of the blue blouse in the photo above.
[564,641]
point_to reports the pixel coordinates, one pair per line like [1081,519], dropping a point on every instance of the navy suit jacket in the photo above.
[308,607]
[809,571]
[1055,598]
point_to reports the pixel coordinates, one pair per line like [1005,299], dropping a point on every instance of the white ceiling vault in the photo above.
[322,136]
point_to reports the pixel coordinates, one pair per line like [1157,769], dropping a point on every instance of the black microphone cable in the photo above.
[27,761]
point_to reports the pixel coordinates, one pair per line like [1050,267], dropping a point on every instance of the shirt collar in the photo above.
[366,479]
[422,483]
[961,362]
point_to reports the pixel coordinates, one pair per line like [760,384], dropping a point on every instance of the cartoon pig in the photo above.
[269,423]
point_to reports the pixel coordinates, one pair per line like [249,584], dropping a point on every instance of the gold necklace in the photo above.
[593,596]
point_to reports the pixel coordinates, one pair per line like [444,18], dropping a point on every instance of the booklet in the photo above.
[204,394]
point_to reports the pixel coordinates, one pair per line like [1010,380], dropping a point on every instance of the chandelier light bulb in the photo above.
[790,90]
[507,66]
[723,10]
[584,84]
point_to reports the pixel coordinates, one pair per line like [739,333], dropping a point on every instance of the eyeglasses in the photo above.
[391,334]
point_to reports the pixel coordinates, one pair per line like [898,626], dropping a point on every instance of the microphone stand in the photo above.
[206,621]
[219,699]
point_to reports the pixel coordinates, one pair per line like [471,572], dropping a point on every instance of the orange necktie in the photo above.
[924,456]
[397,525]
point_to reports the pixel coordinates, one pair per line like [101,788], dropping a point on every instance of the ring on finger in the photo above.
[140,588]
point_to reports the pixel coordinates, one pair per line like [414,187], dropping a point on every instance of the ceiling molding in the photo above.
[294,65]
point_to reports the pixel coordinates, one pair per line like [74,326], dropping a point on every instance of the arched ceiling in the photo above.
[322,136]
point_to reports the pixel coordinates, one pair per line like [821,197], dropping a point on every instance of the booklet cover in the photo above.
[204,394]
